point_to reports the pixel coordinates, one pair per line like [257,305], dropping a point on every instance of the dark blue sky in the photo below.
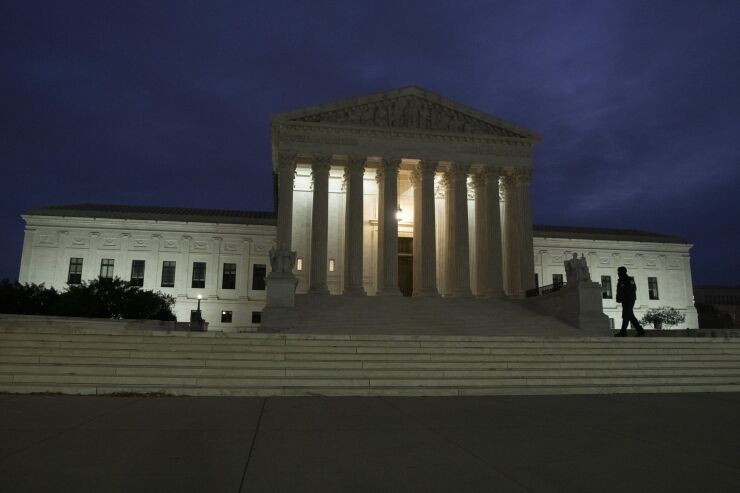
[168,103]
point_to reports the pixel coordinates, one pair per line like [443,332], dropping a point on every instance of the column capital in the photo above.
[390,163]
[458,169]
[286,162]
[321,164]
[478,181]
[427,166]
[355,163]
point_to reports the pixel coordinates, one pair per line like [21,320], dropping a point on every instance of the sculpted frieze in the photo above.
[411,112]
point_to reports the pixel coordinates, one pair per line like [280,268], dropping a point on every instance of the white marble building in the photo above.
[402,192]
[56,236]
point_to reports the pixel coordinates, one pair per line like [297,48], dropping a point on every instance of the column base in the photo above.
[319,290]
[396,292]
[426,294]
[359,291]
[463,293]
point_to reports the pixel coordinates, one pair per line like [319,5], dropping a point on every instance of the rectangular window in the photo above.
[199,275]
[106,268]
[653,288]
[225,317]
[75,271]
[258,277]
[137,273]
[332,264]
[611,323]
[299,264]
[557,279]
[536,280]
[606,287]
[168,274]
[256,317]
[229,280]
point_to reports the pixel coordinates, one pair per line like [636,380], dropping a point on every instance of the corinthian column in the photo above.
[494,268]
[353,176]
[458,258]
[513,239]
[286,175]
[481,234]
[388,228]
[319,223]
[425,243]
[523,180]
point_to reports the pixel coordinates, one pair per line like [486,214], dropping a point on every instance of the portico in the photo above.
[354,177]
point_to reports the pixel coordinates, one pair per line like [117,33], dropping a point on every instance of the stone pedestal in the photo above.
[279,312]
[578,305]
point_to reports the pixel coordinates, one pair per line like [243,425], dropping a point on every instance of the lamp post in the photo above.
[198,310]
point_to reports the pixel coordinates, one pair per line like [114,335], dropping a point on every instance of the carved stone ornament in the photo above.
[282,260]
[411,112]
[576,270]
[286,162]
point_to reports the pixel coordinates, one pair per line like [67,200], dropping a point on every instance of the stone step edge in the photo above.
[359,382]
[173,392]
[396,337]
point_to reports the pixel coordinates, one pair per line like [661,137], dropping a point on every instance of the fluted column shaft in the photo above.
[354,175]
[425,242]
[513,237]
[388,228]
[286,176]
[319,224]
[458,258]
[494,268]
[523,179]
[481,234]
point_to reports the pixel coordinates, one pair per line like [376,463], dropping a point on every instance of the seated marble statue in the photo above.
[576,270]
[282,260]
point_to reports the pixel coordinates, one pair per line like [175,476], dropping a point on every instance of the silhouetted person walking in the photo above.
[626,295]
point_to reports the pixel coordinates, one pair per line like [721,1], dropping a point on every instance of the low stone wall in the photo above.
[19,321]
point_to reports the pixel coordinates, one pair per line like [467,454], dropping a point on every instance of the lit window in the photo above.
[229,280]
[299,264]
[199,275]
[225,316]
[331,265]
[653,288]
[137,273]
[168,274]
[75,271]
[106,268]
[606,287]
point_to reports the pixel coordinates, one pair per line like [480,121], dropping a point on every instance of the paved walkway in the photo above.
[620,443]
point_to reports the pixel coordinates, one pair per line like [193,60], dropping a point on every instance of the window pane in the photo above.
[653,288]
[258,276]
[75,271]
[229,280]
[199,275]
[557,279]
[137,273]
[606,287]
[225,317]
[256,317]
[106,268]
[168,274]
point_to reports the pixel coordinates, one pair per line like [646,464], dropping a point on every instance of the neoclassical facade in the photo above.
[362,179]
[402,193]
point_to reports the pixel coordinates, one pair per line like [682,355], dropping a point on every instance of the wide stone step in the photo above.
[84,389]
[329,373]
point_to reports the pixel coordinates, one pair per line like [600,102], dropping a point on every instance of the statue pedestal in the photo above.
[578,305]
[279,312]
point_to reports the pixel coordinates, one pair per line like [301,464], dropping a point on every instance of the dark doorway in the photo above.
[406,266]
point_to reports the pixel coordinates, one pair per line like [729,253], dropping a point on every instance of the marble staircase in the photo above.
[105,361]
[394,315]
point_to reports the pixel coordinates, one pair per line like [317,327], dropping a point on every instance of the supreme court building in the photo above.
[402,193]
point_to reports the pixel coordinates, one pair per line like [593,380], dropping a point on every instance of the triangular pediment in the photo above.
[410,108]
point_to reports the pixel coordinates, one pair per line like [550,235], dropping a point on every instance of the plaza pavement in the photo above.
[620,443]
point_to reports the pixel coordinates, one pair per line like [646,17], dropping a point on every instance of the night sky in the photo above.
[168,103]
